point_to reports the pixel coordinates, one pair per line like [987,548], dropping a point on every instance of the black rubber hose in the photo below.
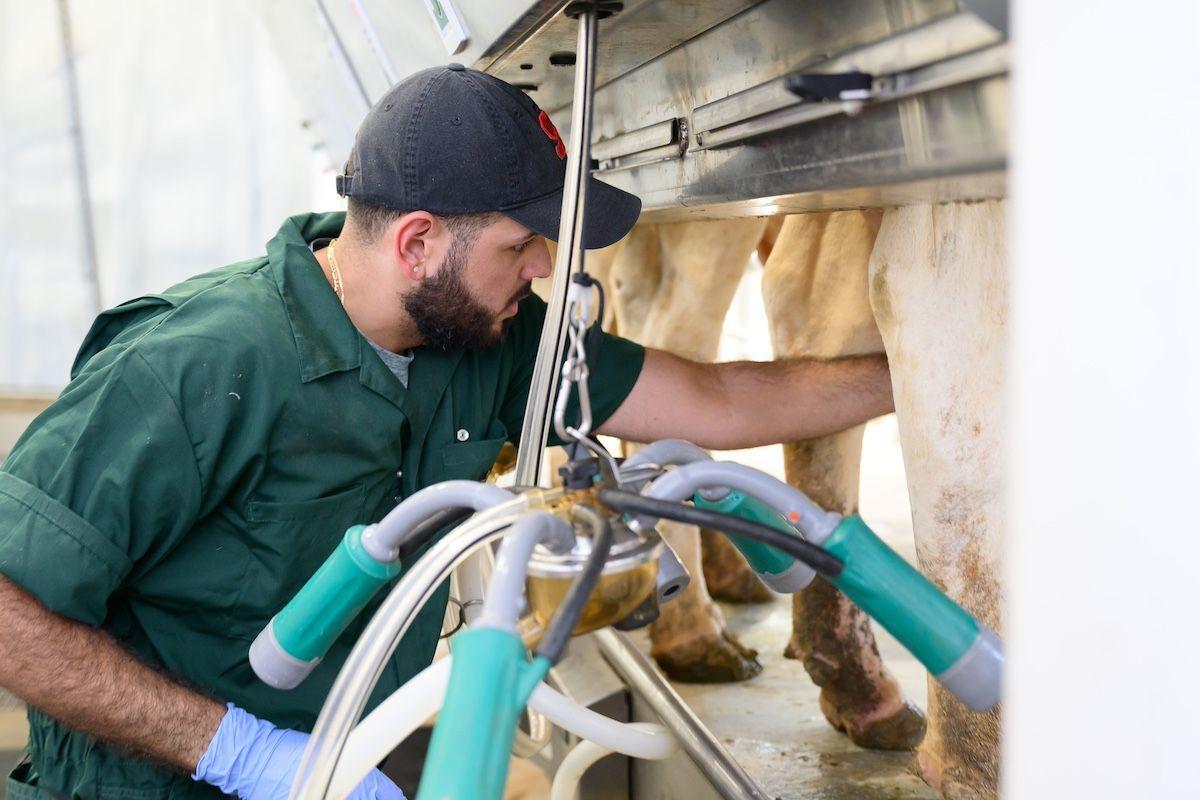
[824,563]
[426,530]
[567,615]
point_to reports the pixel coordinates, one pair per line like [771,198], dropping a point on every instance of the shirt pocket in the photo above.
[302,510]
[472,459]
[285,543]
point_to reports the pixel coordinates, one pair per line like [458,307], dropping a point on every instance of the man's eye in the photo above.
[521,247]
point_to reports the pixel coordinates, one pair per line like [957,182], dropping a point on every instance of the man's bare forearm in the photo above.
[784,401]
[82,677]
[750,403]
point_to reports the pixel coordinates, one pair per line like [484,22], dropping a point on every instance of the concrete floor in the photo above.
[774,728]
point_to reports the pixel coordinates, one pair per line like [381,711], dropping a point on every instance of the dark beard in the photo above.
[447,316]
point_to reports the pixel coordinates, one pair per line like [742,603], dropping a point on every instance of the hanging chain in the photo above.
[575,365]
[575,373]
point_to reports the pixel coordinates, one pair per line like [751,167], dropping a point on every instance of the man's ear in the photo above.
[414,242]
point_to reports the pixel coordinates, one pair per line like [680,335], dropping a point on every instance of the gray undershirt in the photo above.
[398,363]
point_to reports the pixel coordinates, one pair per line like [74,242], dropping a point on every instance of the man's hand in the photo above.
[84,678]
[750,403]
[254,760]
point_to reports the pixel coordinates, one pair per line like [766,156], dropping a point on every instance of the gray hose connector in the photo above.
[681,483]
[381,539]
[275,666]
[975,677]
[673,577]
[796,577]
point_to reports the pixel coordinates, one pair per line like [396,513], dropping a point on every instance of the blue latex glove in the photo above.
[255,760]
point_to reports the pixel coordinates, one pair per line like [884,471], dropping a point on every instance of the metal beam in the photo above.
[706,752]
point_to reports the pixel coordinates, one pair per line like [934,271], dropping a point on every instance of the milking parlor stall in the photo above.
[990,592]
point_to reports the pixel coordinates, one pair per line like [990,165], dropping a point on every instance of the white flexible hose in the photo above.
[388,725]
[419,699]
[621,737]
[583,756]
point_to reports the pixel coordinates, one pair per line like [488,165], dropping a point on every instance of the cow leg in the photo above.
[815,291]
[689,640]
[671,286]
[940,294]
[726,573]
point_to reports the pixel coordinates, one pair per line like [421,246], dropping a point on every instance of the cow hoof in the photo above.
[902,728]
[726,573]
[705,660]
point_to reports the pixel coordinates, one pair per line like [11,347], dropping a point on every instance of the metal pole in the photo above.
[342,56]
[87,222]
[376,43]
[570,259]
[725,774]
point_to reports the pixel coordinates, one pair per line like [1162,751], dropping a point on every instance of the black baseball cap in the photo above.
[452,140]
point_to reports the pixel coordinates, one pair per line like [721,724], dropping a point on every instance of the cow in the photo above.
[939,292]
[927,285]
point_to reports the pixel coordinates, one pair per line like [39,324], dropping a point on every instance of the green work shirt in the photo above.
[212,447]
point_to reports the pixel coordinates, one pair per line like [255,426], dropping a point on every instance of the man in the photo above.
[217,439]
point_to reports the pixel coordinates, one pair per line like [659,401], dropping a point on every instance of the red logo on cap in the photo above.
[548,128]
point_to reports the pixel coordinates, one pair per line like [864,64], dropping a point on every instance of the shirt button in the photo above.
[462,435]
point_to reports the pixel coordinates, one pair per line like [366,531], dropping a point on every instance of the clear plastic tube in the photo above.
[471,580]
[621,737]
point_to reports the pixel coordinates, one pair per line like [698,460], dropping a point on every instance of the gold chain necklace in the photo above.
[337,275]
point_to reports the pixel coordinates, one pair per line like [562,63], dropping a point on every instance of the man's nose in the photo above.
[538,264]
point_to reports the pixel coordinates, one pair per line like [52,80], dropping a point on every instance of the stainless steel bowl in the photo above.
[629,576]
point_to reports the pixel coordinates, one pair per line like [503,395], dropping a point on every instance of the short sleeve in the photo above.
[100,479]
[614,365]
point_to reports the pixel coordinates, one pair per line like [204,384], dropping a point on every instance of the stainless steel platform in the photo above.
[691,112]
[703,126]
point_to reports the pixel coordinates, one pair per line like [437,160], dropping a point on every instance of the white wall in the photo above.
[1104,565]
[196,146]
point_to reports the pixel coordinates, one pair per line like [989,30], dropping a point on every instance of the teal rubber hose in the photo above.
[963,655]
[297,638]
[490,682]
[778,570]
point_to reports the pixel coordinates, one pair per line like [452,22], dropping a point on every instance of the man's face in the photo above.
[472,297]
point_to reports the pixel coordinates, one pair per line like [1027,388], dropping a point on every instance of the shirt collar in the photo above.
[326,339]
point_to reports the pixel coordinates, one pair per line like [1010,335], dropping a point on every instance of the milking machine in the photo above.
[576,558]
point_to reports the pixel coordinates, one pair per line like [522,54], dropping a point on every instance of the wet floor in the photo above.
[773,726]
